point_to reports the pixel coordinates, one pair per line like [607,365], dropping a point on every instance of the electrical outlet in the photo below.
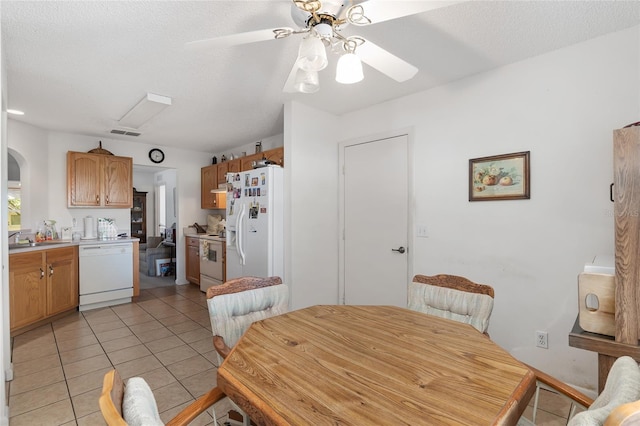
[542,339]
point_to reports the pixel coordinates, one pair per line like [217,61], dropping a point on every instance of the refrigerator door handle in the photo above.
[239,232]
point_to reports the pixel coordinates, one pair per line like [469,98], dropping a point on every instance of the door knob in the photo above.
[399,250]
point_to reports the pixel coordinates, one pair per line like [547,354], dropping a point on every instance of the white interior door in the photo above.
[375,209]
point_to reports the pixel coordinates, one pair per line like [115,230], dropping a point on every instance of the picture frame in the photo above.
[500,177]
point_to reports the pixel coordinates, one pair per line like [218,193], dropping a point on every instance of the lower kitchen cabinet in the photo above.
[62,280]
[193,260]
[42,283]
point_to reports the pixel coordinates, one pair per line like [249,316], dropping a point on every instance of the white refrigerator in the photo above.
[255,223]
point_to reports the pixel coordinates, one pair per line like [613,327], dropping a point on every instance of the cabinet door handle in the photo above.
[611,192]
[50,270]
[106,199]
[97,200]
[41,273]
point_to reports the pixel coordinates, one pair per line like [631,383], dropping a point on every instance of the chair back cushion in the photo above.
[463,306]
[622,386]
[138,405]
[231,314]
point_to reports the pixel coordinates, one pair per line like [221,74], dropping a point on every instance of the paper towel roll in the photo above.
[89,228]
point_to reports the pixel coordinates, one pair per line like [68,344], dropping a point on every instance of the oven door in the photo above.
[211,259]
[206,282]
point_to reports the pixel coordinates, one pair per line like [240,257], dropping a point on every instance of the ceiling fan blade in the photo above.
[385,62]
[240,38]
[372,11]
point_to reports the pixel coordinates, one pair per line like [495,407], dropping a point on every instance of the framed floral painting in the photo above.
[499,177]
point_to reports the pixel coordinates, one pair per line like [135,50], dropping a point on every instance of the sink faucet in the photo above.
[17,235]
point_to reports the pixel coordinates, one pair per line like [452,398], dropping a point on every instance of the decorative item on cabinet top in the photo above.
[99,150]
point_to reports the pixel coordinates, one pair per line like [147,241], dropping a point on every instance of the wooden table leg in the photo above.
[604,365]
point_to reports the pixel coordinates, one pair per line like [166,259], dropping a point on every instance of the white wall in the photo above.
[311,218]
[51,186]
[6,371]
[562,107]
[27,141]
[168,178]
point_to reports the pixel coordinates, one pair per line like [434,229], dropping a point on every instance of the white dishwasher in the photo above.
[106,274]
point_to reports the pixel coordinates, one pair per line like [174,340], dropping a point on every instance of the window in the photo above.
[14,206]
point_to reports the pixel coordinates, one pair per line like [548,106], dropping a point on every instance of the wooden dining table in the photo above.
[373,365]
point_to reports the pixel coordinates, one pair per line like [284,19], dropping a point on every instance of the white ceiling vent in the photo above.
[125,132]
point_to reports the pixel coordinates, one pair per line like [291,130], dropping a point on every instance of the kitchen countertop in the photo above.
[59,244]
[209,237]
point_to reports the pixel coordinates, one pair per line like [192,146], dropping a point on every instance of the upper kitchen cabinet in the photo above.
[98,180]
[212,176]
[208,182]
[232,166]
[276,155]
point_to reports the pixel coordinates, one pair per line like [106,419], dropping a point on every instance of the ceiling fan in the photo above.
[322,22]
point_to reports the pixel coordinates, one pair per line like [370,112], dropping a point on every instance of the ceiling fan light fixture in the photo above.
[349,69]
[312,55]
[307,81]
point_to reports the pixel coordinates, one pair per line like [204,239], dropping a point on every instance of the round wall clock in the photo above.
[156,155]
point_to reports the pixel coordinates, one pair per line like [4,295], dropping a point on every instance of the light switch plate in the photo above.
[422,231]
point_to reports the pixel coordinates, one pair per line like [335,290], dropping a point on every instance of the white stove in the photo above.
[211,261]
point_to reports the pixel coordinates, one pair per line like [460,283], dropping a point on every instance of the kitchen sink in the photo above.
[27,245]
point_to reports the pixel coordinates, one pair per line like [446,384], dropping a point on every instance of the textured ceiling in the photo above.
[80,66]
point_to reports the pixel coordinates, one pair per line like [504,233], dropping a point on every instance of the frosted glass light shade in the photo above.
[307,81]
[312,55]
[349,69]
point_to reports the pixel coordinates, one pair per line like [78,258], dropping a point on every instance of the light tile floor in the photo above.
[164,337]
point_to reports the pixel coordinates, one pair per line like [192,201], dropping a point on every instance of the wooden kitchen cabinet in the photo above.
[62,279]
[233,166]
[222,170]
[193,260]
[42,283]
[98,180]
[212,176]
[246,163]
[209,181]
[27,289]
[276,155]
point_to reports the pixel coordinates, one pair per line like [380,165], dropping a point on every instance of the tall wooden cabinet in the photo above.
[626,196]
[99,180]
[42,283]
[139,216]
[626,169]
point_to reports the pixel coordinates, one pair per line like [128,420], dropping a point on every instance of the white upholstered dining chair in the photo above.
[452,297]
[617,405]
[236,304]
[133,404]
